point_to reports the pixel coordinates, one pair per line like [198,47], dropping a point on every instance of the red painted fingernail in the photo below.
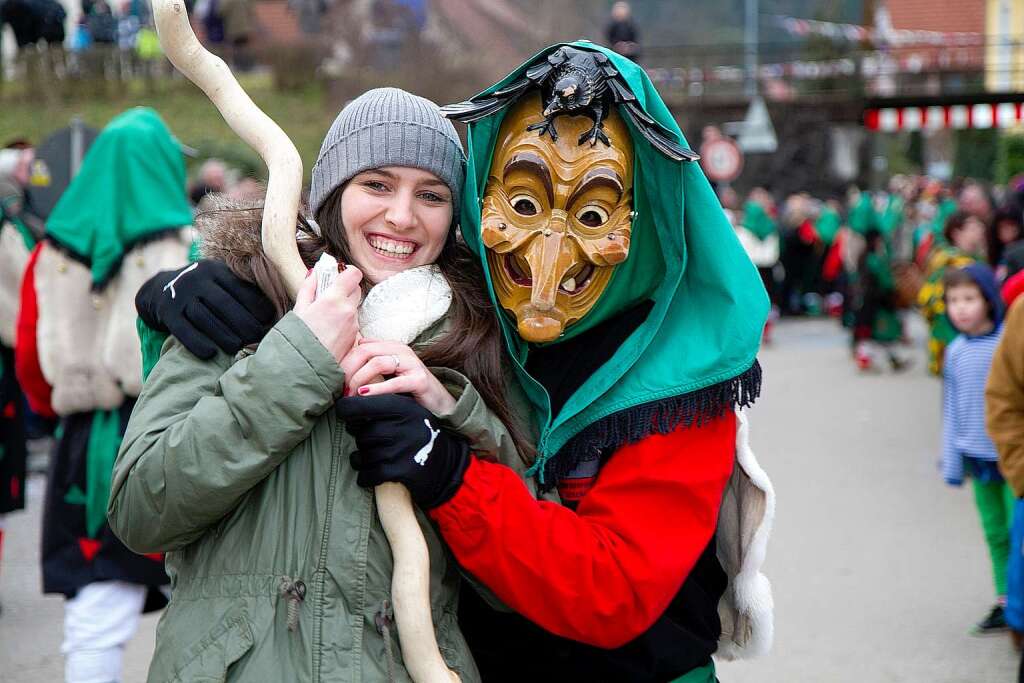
[363,391]
[348,392]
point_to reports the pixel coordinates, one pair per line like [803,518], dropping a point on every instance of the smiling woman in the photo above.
[384,187]
[394,218]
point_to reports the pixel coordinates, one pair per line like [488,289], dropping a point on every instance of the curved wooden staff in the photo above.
[411,575]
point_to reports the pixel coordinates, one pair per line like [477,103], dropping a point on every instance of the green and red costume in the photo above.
[634,414]
[120,220]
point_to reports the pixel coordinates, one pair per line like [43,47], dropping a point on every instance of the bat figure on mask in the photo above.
[574,83]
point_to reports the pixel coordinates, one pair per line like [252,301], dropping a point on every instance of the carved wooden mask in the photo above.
[556,218]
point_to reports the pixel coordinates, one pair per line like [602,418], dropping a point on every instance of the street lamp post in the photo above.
[750,48]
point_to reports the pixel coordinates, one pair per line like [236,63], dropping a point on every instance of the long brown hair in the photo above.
[472,345]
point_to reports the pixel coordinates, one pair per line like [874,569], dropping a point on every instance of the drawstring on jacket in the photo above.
[385,619]
[295,591]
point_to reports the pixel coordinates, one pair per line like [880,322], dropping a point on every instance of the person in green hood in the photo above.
[124,217]
[876,322]
[631,319]
[963,243]
[758,233]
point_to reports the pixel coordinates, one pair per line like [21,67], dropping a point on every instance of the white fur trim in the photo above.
[69,333]
[88,343]
[13,257]
[745,524]
[122,354]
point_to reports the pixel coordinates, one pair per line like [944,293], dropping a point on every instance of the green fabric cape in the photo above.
[757,221]
[710,307]
[131,188]
[104,441]
[886,327]
[946,209]
[862,216]
[828,224]
[892,216]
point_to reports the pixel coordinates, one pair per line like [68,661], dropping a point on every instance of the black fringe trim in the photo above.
[116,266]
[658,417]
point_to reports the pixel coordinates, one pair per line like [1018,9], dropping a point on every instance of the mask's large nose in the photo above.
[550,257]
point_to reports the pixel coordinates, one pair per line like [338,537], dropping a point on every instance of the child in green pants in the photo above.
[975,309]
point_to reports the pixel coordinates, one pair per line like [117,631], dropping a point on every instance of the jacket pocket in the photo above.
[209,659]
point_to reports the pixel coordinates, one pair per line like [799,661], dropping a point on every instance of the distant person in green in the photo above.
[758,232]
[760,235]
[863,217]
[963,244]
[124,218]
[877,325]
[936,208]
[890,218]
[833,276]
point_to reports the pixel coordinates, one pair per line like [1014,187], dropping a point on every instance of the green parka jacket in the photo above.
[239,470]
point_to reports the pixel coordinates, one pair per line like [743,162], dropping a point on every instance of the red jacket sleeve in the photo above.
[26,345]
[602,574]
[1012,288]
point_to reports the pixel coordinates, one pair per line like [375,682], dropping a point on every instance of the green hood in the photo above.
[892,216]
[862,216]
[946,209]
[131,187]
[827,225]
[757,221]
[704,329]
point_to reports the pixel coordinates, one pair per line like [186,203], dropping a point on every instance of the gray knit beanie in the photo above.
[388,127]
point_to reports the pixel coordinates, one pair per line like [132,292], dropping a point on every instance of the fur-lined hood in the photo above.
[231,231]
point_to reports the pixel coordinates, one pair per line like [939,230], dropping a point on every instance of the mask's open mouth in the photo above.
[517,270]
[577,279]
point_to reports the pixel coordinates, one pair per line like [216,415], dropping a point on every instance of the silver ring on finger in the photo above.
[398,362]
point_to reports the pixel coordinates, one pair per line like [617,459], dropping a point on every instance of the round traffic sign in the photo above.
[721,159]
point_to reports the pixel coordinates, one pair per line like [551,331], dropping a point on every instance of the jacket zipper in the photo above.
[321,565]
[385,622]
[295,592]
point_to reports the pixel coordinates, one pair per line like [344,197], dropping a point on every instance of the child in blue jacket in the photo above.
[975,309]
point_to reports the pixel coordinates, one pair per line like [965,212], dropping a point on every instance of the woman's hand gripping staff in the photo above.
[416,632]
[332,314]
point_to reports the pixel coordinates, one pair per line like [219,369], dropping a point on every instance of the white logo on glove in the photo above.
[421,456]
[170,285]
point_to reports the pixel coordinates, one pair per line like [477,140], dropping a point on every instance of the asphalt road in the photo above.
[878,568]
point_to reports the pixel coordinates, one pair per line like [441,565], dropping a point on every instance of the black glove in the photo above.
[399,440]
[205,304]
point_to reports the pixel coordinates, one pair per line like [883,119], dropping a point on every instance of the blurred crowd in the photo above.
[954,253]
[116,39]
[867,256]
